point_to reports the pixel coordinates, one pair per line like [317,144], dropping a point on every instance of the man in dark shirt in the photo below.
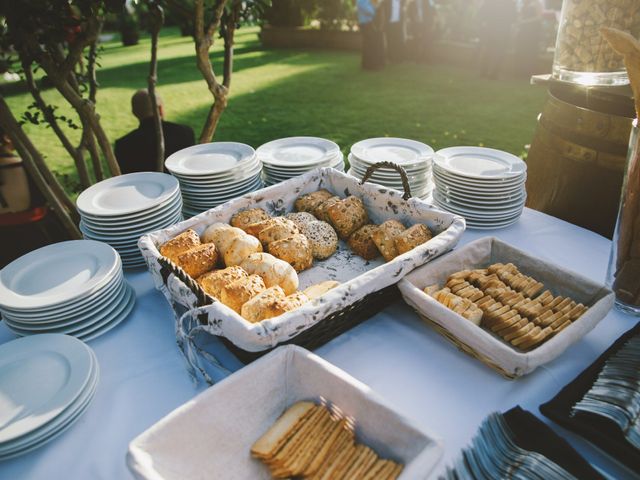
[136,151]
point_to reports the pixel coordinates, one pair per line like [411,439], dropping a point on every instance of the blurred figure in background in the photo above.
[421,20]
[394,29]
[528,36]
[496,19]
[372,36]
[136,151]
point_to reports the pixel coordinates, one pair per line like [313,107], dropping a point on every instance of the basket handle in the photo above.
[394,166]
[203,297]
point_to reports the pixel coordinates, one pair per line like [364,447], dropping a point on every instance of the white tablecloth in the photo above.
[420,374]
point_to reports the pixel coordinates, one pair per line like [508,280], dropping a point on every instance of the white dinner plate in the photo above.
[478,216]
[389,172]
[472,205]
[297,151]
[157,216]
[470,189]
[492,226]
[86,337]
[249,183]
[333,162]
[400,151]
[223,198]
[413,177]
[57,274]
[209,158]
[136,217]
[236,175]
[480,162]
[229,185]
[125,235]
[483,197]
[40,376]
[127,194]
[479,183]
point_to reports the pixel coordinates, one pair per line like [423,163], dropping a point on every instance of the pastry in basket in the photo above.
[314,291]
[214,282]
[221,235]
[412,237]
[362,243]
[240,248]
[459,305]
[347,216]
[320,211]
[239,292]
[295,250]
[198,260]
[309,202]
[246,217]
[307,441]
[258,308]
[255,228]
[323,238]
[384,238]
[180,244]
[284,229]
[272,270]
[300,218]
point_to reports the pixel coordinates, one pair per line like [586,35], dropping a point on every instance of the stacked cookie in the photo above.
[308,442]
[514,306]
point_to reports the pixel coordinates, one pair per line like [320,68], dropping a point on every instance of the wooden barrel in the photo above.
[576,163]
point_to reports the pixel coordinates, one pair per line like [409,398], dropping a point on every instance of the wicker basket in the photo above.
[366,286]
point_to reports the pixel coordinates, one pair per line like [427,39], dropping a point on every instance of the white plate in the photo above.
[480,162]
[209,158]
[400,151]
[57,274]
[482,198]
[151,218]
[123,235]
[470,189]
[237,174]
[492,226]
[222,187]
[130,230]
[127,194]
[252,182]
[389,172]
[297,151]
[480,216]
[479,183]
[40,376]
[111,325]
[136,217]
[332,162]
[218,199]
[480,206]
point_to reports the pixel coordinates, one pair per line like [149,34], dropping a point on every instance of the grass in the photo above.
[279,93]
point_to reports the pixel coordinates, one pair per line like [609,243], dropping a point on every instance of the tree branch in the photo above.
[156,20]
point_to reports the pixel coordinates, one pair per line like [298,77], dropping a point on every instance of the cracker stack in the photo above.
[308,442]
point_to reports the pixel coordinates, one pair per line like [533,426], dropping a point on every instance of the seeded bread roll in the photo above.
[309,202]
[319,289]
[347,216]
[362,244]
[300,218]
[412,237]
[295,250]
[240,249]
[280,230]
[214,282]
[272,270]
[322,237]
[198,260]
[241,291]
[246,217]
[180,244]
[384,238]
[259,306]
[286,304]
[255,228]
[321,210]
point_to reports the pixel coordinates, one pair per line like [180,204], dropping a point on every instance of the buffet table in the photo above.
[420,374]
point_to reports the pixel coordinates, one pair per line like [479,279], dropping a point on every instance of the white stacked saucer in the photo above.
[290,157]
[484,185]
[46,383]
[74,287]
[119,210]
[414,157]
[211,174]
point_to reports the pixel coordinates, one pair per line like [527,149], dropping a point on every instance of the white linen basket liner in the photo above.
[480,254]
[211,435]
[358,277]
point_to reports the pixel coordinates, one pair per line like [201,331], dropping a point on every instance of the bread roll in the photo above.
[198,260]
[241,248]
[323,239]
[246,217]
[309,202]
[300,218]
[412,237]
[347,216]
[180,244]
[221,235]
[384,238]
[319,289]
[280,230]
[272,270]
[255,228]
[362,244]
[321,210]
[286,304]
[213,282]
[259,306]
[241,291]
[295,250]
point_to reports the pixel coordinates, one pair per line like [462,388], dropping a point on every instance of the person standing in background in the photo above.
[496,18]
[528,37]
[394,29]
[372,41]
[421,17]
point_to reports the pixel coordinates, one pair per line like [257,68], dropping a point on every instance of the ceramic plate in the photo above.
[400,151]
[479,183]
[470,189]
[124,235]
[126,224]
[332,162]
[418,169]
[187,188]
[40,376]
[86,337]
[479,162]
[297,151]
[223,191]
[237,174]
[209,158]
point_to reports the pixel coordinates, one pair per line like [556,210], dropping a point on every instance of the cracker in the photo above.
[526,337]
[542,335]
[284,427]
[518,333]
[337,437]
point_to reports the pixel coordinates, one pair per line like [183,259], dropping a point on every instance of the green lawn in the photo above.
[278,93]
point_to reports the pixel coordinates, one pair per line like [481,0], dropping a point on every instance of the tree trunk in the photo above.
[11,126]
[156,19]
[210,125]
[90,144]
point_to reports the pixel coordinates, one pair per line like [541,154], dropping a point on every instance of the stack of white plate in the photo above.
[119,210]
[46,383]
[74,287]
[290,157]
[485,186]
[414,157]
[214,173]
